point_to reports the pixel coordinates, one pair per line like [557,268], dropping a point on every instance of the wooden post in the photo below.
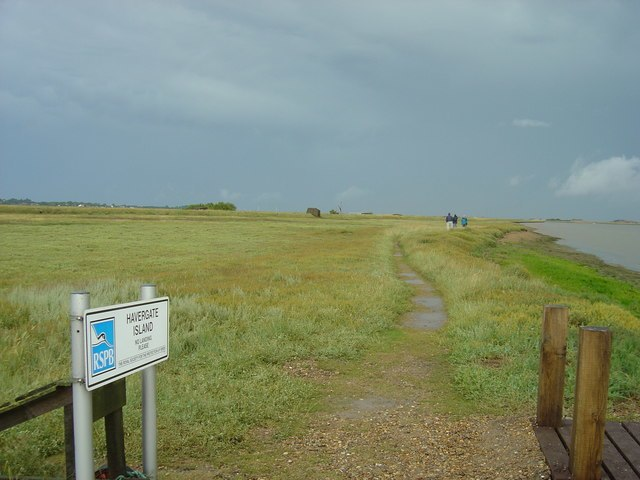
[114,432]
[592,384]
[69,446]
[111,399]
[553,358]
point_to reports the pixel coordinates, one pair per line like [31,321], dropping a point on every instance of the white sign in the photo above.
[123,339]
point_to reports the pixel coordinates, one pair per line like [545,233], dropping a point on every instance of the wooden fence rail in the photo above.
[107,403]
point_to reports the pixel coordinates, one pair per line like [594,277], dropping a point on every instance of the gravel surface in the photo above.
[389,423]
[401,443]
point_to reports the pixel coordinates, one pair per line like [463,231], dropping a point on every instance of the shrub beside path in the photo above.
[390,417]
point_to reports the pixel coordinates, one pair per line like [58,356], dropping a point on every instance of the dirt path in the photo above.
[389,418]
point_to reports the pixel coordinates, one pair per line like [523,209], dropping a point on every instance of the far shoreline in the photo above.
[548,244]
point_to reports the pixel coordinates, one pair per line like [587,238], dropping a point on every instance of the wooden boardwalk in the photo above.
[621,454]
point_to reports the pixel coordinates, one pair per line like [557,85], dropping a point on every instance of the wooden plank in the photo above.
[634,429]
[108,399]
[617,466]
[565,433]
[42,400]
[614,464]
[626,445]
[554,452]
[32,405]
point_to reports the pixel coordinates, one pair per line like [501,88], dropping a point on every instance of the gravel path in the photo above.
[389,429]
[393,422]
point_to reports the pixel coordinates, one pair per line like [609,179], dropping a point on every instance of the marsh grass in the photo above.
[249,294]
[495,293]
[253,293]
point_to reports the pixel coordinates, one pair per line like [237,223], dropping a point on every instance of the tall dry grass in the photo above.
[250,295]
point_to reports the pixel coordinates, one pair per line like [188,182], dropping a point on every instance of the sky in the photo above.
[510,109]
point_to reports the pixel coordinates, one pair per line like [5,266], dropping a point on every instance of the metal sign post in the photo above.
[82,398]
[149,419]
[110,343]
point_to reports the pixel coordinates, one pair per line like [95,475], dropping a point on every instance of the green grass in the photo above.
[255,294]
[249,294]
[582,280]
[495,293]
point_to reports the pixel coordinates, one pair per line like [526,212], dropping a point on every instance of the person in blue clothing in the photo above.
[463,221]
[449,220]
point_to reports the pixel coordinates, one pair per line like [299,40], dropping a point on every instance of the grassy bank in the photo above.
[495,281]
[255,297]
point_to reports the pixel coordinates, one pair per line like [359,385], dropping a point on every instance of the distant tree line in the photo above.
[197,206]
[68,203]
[212,206]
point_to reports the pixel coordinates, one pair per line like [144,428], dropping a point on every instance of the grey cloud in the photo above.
[406,99]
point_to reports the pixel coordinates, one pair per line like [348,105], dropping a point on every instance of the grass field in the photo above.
[495,293]
[255,294]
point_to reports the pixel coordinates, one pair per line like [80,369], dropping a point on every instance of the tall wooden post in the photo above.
[589,414]
[553,358]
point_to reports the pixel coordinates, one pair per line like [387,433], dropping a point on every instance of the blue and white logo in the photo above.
[103,346]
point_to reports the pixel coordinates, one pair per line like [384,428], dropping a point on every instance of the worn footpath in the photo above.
[394,421]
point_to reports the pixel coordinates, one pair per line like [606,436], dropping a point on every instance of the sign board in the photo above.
[123,339]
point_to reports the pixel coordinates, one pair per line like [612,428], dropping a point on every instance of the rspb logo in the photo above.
[103,348]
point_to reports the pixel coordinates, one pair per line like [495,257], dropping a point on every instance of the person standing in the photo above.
[455,220]
[449,220]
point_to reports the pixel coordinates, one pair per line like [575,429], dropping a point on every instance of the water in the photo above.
[616,244]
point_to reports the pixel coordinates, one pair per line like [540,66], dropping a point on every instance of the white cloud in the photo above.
[610,176]
[529,123]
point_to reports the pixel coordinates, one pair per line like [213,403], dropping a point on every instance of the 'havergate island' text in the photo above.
[142,320]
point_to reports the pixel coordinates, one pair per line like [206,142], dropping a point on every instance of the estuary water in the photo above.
[616,244]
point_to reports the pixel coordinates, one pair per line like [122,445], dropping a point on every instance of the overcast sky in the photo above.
[513,109]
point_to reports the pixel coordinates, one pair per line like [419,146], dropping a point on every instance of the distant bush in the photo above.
[212,206]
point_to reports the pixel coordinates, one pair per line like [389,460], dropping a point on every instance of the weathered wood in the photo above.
[57,395]
[114,431]
[621,450]
[107,403]
[34,404]
[614,463]
[109,398]
[555,452]
[553,357]
[69,451]
[634,429]
[564,431]
[625,443]
[592,382]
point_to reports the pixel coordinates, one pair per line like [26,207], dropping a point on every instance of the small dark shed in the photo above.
[314,211]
